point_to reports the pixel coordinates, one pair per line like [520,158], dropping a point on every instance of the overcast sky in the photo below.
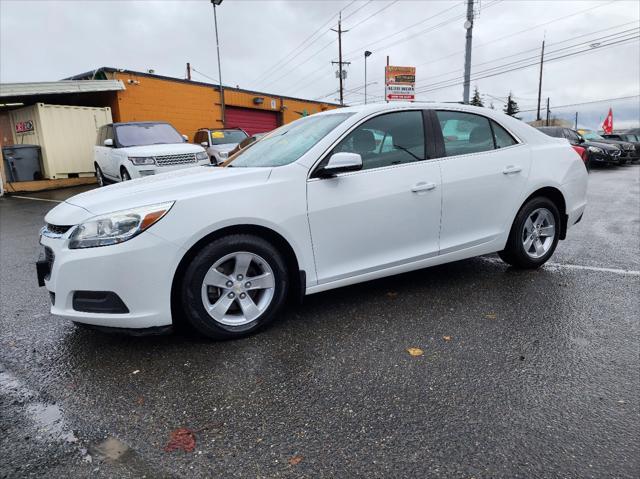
[286,47]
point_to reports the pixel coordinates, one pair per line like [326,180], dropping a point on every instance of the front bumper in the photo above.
[139,272]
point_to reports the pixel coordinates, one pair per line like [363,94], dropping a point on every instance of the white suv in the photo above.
[132,150]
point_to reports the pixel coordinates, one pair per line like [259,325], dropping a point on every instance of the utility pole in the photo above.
[215,22]
[575,127]
[540,81]
[341,72]
[188,71]
[468,25]
[548,112]
[366,55]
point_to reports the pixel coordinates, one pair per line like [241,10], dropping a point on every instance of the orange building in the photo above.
[190,105]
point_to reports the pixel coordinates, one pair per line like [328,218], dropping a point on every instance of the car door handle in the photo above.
[422,186]
[511,169]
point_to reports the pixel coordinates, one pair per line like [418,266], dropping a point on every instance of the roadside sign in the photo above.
[400,83]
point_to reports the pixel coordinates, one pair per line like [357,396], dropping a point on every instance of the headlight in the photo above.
[116,227]
[224,154]
[142,160]
[202,155]
[595,149]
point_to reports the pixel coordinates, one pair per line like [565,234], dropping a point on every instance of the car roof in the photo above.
[141,123]
[221,129]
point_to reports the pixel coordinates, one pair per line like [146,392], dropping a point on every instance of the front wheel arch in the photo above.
[297,280]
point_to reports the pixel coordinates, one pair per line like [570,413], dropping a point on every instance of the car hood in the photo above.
[159,150]
[599,144]
[624,144]
[201,181]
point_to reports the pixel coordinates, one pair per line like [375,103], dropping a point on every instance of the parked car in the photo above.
[597,152]
[250,140]
[627,148]
[582,152]
[219,142]
[626,137]
[125,151]
[315,205]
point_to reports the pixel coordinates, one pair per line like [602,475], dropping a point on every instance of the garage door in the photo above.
[251,121]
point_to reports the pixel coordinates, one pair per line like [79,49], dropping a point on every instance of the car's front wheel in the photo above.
[124,174]
[99,176]
[534,234]
[234,286]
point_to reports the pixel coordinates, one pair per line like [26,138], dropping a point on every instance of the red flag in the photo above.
[607,126]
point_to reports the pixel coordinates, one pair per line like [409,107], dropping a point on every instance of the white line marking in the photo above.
[34,199]
[625,272]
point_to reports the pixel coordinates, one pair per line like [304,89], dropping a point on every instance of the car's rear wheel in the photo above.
[534,234]
[234,286]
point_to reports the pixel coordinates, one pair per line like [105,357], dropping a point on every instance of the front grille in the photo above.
[616,153]
[49,258]
[58,229]
[172,160]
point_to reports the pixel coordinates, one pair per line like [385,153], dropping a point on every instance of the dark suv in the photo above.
[597,152]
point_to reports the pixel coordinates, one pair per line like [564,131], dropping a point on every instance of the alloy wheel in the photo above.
[538,233]
[238,288]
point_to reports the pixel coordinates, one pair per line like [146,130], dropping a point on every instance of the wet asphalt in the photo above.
[523,374]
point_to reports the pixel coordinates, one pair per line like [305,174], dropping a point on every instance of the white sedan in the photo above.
[329,200]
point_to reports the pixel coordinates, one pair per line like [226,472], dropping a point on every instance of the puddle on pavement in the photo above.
[111,449]
[49,421]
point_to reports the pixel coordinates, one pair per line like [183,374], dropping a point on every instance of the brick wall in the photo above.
[186,106]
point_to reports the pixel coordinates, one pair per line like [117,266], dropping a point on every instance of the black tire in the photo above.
[100,176]
[514,252]
[124,174]
[192,280]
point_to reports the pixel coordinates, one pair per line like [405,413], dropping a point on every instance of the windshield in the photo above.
[289,142]
[589,135]
[140,134]
[223,137]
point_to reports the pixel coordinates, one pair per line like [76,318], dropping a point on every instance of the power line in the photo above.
[369,44]
[434,87]
[592,40]
[518,32]
[275,66]
[333,41]
[587,102]
[373,14]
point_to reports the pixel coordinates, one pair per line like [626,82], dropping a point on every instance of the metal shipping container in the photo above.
[66,134]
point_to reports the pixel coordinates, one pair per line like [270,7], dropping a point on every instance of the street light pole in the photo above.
[215,23]
[366,54]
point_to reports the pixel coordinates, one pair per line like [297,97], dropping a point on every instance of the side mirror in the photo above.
[581,140]
[205,144]
[340,163]
[108,142]
[185,137]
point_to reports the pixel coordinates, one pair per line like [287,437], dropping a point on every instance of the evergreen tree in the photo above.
[511,108]
[476,100]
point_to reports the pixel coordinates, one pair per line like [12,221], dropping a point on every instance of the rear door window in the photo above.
[465,133]
[502,136]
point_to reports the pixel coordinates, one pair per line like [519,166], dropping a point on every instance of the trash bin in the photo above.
[22,162]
